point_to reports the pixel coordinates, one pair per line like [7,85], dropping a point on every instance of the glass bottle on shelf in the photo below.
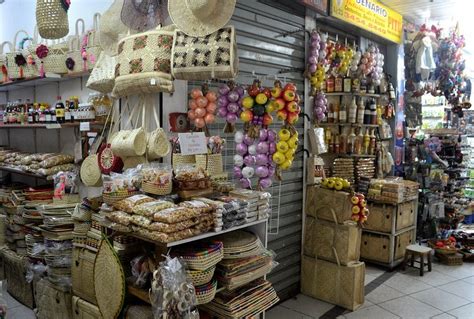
[335,113]
[347,83]
[373,112]
[356,85]
[330,82]
[366,142]
[372,143]
[48,115]
[331,113]
[358,142]
[338,83]
[367,113]
[331,144]
[67,112]
[343,141]
[72,109]
[351,141]
[391,91]
[52,111]
[60,111]
[36,112]
[352,112]
[336,144]
[343,113]
[360,112]
[31,117]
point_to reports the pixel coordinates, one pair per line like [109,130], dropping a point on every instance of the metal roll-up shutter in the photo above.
[265,53]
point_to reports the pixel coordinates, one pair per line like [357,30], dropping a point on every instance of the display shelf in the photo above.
[353,93]
[48,126]
[20,172]
[347,124]
[35,81]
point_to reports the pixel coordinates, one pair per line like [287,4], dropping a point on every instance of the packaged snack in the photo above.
[188,223]
[157,173]
[141,221]
[120,217]
[129,203]
[127,182]
[150,208]
[57,160]
[175,214]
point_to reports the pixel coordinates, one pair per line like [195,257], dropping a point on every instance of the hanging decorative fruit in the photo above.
[202,106]
[229,104]
[256,109]
[359,208]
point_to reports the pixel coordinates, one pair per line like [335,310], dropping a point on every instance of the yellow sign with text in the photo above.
[371,16]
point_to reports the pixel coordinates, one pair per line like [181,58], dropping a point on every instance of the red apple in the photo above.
[253,90]
[282,115]
[289,95]
[292,106]
[267,92]
[290,86]
[281,103]
[267,119]
[292,118]
[276,92]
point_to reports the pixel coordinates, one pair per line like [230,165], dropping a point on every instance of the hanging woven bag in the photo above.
[158,145]
[3,61]
[52,19]
[102,77]
[18,62]
[93,48]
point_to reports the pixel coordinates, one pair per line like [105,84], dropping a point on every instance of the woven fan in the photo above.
[143,15]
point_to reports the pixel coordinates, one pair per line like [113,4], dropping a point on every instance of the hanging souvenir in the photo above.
[229,104]
[202,106]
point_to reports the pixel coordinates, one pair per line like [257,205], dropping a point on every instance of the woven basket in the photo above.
[82,273]
[156,189]
[205,259]
[51,19]
[128,143]
[55,61]
[206,293]
[74,54]
[93,48]
[102,77]
[212,163]
[179,160]
[199,277]
[3,59]
[110,198]
[90,171]
[134,161]
[15,71]
[441,251]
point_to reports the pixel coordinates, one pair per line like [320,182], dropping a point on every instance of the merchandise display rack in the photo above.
[49,78]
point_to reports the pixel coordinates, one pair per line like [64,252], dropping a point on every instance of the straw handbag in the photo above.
[55,60]
[18,64]
[102,77]
[158,145]
[3,61]
[108,162]
[143,63]
[131,142]
[93,47]
[74,58]
[212,163]
[90,171]
[51,18]
[204,58]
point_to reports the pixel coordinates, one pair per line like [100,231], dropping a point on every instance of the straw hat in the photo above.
[199,18]
[111,27]
[143,15]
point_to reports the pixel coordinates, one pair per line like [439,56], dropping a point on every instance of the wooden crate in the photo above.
[385,248]
[321,201]
[391,218]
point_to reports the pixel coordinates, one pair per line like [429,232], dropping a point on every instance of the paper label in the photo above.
[153,81]
[85,126]
[192,143]
[53,126]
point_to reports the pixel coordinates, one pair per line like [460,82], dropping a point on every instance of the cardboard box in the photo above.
[339,285]
[321,202]
[320,237]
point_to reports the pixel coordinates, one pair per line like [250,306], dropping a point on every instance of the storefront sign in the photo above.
[320,6]
[371,16]
[192,143]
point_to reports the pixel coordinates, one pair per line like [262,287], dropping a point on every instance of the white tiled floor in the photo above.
[445,293]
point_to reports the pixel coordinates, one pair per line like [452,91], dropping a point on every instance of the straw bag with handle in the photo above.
[219,50]
[130,142]
[90,171]
[158,144]
[92,44]
[51,18]
[3,61]
[143,63]
[18,64]
[55,59]
[108,162]
[74,61]
[102,77]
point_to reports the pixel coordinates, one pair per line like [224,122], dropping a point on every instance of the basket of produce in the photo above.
[443,246]
[206,293]
[200,277]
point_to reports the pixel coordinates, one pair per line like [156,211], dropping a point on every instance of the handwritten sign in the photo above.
[371,16]
[192,143]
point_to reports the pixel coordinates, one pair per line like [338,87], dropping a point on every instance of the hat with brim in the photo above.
[111,27]
[143,15]
[198,18]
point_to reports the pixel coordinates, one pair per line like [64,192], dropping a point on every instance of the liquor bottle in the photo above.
[336,144]
[360,112]
[31,118]
[331,113]
[330,84]
[59,111]
[391,91]
[367,113]
[52,111]
[343,113]
[338,83]
[372,143]
[363,86]
[352,113]
[351,141]
[331,145]
[72,109]
[347,83]
[327,136]
[366,142]
[358,142]
[67,112]
[343,141]
[36,113]
[356,85]
[48,115]
[335,113]
[373,112]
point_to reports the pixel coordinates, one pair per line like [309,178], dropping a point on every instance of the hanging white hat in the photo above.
[111,27]
[199,18]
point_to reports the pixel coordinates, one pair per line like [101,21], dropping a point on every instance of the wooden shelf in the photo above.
[48,126]
[353,93]
[141,294]
[347,124]
[20,172]
[35,81]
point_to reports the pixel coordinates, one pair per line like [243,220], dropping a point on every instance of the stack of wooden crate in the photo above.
[331,270]
[390,228]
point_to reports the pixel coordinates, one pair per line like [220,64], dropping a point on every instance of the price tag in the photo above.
[85,126]
[153,81]
[192,143]
[53,126]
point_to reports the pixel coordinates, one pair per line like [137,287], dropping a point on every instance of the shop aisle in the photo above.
[446,292]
